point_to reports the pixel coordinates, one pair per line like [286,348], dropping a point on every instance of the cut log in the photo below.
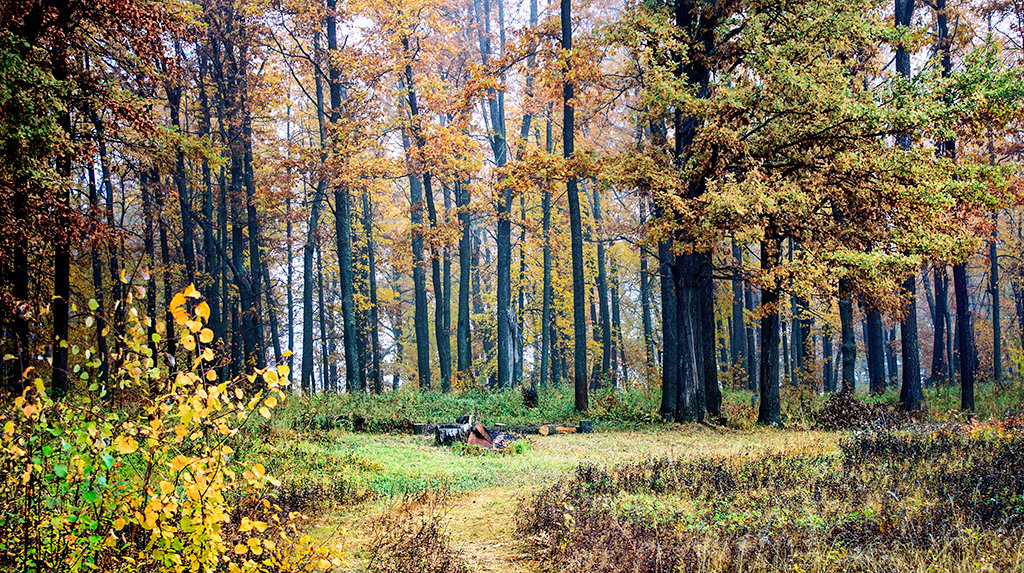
[545,430]
[422,429]
[448,434]
[565,429]
[586,427]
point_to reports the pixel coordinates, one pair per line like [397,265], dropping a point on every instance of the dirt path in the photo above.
[480,524]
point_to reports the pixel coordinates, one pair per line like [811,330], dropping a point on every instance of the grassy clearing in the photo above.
[451,508]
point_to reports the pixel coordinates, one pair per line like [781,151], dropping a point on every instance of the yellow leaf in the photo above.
[206,336]
[246,525]
[211,375]
[191,292]
[286,353]
[119,523]
[270,401]
[188,341]
[166,487]
[283,370]
[270,377]
[203,310]
[264,412]
[125,444]
[208,354]
[180,462]
[241,549]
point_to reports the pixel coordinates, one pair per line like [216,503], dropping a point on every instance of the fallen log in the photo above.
[423,429]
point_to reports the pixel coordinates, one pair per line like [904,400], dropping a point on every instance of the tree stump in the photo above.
[448,434]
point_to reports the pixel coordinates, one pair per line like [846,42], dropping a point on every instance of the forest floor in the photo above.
[474,494]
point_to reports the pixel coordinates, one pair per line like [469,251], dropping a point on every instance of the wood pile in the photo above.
[466,429]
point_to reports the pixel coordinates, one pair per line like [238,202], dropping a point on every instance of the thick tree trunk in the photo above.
[965,337]
[690,399]
[669,332]
[769,413]
[911,391]
[873,340]
[705,305]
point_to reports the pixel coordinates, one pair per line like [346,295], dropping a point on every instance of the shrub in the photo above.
[155,487]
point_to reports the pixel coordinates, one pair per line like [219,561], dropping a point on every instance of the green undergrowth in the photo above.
[397,411]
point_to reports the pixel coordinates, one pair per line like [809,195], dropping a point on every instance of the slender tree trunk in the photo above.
[62,278]
[464,345]
[310,244]
[939,363]
[165,270]
[753,376]
[848,340]
[180,184]
[828,381]
[602,294]
[375,376]
[737,338]
[275,335]
[575,223]
[546,341]
[645,310]
[997,337]
[97,283]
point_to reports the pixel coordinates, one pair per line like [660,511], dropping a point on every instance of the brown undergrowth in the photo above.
[942,499]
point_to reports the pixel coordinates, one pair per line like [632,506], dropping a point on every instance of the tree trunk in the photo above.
[997,337]
[769,413]
[911,392]
[873,339]
[965,337]
[939,363]
[848,340]
[708,339]
[464,345]
[753,376]
[575,224]
[310,244]
[375,376]
[546,319]
[737,334]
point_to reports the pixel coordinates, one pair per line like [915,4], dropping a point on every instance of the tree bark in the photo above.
[848,340]
[769,412]
[575,224]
